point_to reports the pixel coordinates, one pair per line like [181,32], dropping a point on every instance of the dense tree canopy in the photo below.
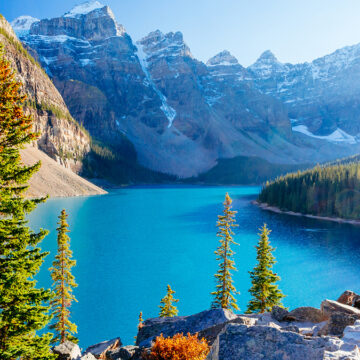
[330,190]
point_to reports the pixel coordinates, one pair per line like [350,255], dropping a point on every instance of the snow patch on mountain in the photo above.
[84,8]
[22,24]
[337,136]
[169,112]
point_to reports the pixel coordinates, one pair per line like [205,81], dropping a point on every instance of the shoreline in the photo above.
[276,210]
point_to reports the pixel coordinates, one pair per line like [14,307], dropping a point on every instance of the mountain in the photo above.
[61,136]
[321,97]
[63,142]
[156,108]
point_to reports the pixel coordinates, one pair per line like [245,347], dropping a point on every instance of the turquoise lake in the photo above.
[131,243]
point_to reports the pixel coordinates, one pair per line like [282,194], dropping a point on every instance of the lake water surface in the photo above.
[131,243]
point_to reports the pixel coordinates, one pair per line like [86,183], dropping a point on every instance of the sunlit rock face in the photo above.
[60,136]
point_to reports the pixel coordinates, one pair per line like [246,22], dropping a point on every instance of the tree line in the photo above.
[328,190]
[26,310]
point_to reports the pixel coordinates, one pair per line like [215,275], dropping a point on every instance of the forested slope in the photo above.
[328,190]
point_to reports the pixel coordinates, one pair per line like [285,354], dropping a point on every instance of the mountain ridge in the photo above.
[180,114]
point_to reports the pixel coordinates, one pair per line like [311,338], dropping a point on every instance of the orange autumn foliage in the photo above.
[179,347]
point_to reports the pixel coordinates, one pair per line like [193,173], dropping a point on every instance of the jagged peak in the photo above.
[84,8]
[223,58]
[157,36]
[172,43]
[23,22]
[267,56]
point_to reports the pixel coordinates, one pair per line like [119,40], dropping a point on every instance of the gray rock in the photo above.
[278,313]
[242,342]
[181,324]
[307,314]
[124,353]
[352,334]
[67,351]
[210,334]
[329,307]
[99,350]
[292,328]
[88,356]
[337,323]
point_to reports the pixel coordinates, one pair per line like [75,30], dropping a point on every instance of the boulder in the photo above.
[357,303]
[263,342]
[100,350]
[347,298]
[124,353]
[278,313]
[306,314]
[67,351]
[337,323]
[292,328]
[210,334]
[88,356]
[352,334]
[329,307]
[181,324]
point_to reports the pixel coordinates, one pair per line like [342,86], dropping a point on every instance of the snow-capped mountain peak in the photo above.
[266,65]
[223,58]
[171,44]
[23,23]
[267,55]
[84,8]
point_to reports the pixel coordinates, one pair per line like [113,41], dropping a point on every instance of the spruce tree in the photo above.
[64,282]
[167,309]
[23,307]
[224,295]
[264,290]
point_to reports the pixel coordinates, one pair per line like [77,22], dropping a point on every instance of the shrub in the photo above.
[179,347]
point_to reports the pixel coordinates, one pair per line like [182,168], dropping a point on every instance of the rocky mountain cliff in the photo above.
[61,136]
[152,103]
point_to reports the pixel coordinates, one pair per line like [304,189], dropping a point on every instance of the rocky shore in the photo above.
[305,333]
[275,209]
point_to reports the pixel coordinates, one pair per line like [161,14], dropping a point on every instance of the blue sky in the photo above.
[294,30]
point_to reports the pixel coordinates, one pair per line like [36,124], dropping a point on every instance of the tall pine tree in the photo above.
[64,282]
[167,309]
[264,290]
[23,307]
[225,290]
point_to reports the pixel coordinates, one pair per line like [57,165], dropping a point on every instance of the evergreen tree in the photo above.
[264,290]
[23,307]
[64,283]
[225,290]
[167,309]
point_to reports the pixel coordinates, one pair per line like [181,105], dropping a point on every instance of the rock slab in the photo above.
[181,324]
[67,351]
[100,350]
[264,342]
